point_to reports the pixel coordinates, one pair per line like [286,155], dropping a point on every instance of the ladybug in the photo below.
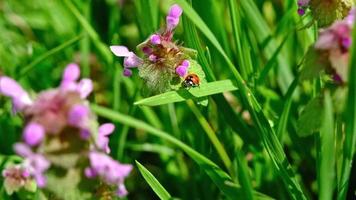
[191,80]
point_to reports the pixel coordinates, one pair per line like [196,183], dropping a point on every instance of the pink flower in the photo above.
[33,134]
[182,69]
[17,177]
[155,39]
[130,59]
[109,170]
[103,141]
[173,16]
[69,81]
[10,88]
[302,6]
[37,164]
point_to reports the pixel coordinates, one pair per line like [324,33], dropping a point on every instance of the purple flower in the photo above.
[33,134]
[172,18]
[37,164]
[127,72]
[155,39]
[152,58]
[303,2]
[78,116]
[182,69]
[69,81]
[147,50]
[302,6]
[103,141]
[350,19]
[85,87]
[130,60]
[17,177]
[109,170]
[10,88]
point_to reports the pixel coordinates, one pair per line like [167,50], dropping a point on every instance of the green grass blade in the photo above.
[221,179]
[235,18]
[271,62]
[244,177]
[283,120]
[327,152]
[263,34]
[192,93]
[49,53]
[350,116]
[211,134]
[102,48]
[270,140]
[153,182]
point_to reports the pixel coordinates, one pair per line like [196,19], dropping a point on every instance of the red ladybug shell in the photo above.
[191,80]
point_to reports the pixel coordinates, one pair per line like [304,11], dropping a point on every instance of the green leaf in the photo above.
[192,93]
[327,151]
[283,120]
[313,64]
[311,117]
[350,133]
[153,182]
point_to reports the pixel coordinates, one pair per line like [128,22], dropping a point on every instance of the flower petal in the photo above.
[155,39]
[71,72]
[127,72]
[33,134]
[132,61]
[106,129]
[22,149]
[78,115]
[175,11]
[182,70]
[9,87]
[85,87]
[121,190]
[120,51]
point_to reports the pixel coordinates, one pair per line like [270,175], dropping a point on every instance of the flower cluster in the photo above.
[17,177]
[335,42]
[163,61]
[302,6]
[61,132]
[325,12]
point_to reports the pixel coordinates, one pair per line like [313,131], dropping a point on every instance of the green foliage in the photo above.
[311,117]
[153,182]
[275,127]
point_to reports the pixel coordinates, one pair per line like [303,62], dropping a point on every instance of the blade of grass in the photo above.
[350,116]
[327,152]
[221,179]
[185,94]
[212,135]
[271,62]
[263,34]
[193,41]
[101,47]
[48,54]
[243,176]
[235,19]
[153,182]
[283,120]
[270,140]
